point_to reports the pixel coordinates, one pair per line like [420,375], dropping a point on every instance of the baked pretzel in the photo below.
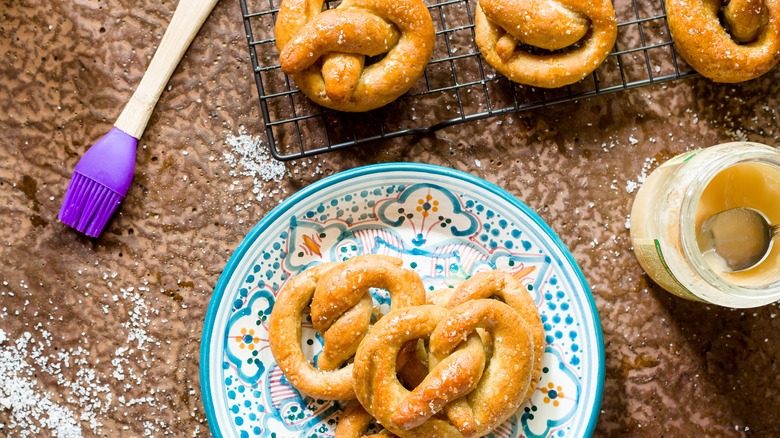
[341,310]
[341,307]
[476,392]
[743,45]
[354,423]
[507,288]
[575,37]
[325,51]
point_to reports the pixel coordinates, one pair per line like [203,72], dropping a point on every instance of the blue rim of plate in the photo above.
[305,193]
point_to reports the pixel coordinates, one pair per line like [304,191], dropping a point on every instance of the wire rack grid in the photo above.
[458,85]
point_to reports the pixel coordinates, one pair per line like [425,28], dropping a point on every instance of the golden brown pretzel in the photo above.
[551,25]
[341,307]
[747,47]
[335,291]
[354,422]
[507,288]
[491,390]
[324,51]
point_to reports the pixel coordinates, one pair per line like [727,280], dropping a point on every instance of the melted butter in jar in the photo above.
[749,185]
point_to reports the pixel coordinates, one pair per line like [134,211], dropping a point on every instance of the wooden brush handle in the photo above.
[187,20]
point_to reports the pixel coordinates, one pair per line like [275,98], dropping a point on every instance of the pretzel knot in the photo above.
[545,43]
[726,41]
[476,382]
[325,51]
[507,288]
[341,308]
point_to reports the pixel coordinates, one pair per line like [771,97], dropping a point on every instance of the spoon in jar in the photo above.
[740,237]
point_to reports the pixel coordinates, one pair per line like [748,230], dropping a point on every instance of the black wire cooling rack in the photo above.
[458,86]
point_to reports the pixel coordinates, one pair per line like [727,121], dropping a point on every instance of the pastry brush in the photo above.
[104,174]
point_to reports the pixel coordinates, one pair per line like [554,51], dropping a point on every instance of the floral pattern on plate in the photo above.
[447,226]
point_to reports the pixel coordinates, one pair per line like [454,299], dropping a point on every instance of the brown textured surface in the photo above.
[126,310]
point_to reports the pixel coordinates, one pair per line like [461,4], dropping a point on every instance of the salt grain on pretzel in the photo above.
[325,51]
[726,41]
[565,40]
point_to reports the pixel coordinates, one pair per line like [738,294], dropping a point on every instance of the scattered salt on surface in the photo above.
[631,186]
[32,412]
[83,394]
[251,154]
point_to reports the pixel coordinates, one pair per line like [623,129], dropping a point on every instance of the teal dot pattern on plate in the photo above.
[443,228]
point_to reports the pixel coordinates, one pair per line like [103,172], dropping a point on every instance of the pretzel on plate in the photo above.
[507,288]
[325,51]
[545,43]
[476,392]
[726,41]
[354,423]
[341,309]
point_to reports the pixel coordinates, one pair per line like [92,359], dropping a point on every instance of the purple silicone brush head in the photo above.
[100,182]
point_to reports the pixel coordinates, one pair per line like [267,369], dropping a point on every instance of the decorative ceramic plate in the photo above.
[446,225]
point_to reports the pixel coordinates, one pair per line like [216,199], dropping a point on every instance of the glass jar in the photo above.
[676,198]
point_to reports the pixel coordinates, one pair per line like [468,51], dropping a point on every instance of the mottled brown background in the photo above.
[138,295]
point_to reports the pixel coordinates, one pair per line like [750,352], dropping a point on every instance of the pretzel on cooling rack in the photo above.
[476,392]
[341,310]
[325,51]
[545,43]
[746,48]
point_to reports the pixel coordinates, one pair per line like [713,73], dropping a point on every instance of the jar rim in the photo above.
[731,154]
